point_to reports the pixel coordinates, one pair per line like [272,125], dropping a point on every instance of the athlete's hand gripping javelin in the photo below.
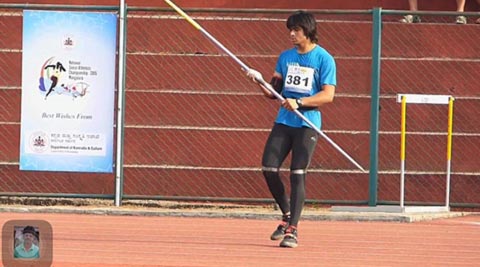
[288,103]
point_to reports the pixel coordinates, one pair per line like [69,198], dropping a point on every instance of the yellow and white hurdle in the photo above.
[405,99]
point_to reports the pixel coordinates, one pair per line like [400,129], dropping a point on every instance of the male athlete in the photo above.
[306,77]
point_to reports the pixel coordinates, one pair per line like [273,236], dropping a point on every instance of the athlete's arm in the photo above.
[325,96]
[276,82]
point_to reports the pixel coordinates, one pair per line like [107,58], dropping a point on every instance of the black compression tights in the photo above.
[297,194]
[282,140]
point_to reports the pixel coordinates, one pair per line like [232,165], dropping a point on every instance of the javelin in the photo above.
[261,81]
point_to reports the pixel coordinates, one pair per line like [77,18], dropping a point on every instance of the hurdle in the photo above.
[405,99]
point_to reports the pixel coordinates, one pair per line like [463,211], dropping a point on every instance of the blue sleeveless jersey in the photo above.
[303,75]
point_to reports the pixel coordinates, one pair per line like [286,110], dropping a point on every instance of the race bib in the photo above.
[299,79]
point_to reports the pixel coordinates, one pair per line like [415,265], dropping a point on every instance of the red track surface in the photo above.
[99,240]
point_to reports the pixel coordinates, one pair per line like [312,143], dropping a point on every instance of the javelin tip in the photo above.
[183,14]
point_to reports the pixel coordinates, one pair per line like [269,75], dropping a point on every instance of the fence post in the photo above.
[375,104]
[122,52]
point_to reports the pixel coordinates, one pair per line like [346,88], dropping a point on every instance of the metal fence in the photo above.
[436,57]
[194,126]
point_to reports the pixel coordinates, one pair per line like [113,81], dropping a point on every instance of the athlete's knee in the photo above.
[297,179]
[298,171]
[297,176]
[270,173]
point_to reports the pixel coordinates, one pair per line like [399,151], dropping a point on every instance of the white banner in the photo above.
[68,88]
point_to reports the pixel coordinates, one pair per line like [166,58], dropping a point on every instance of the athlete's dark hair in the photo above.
[306,21]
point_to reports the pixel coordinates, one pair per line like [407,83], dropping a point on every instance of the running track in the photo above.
[109,240]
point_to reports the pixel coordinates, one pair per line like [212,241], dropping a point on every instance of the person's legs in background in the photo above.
[478,20]
[461,8]
[413,6]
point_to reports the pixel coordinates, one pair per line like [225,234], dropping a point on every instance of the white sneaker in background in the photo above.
[461,20]
[410,19]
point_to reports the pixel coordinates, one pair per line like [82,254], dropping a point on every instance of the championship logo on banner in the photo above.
[68,89]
